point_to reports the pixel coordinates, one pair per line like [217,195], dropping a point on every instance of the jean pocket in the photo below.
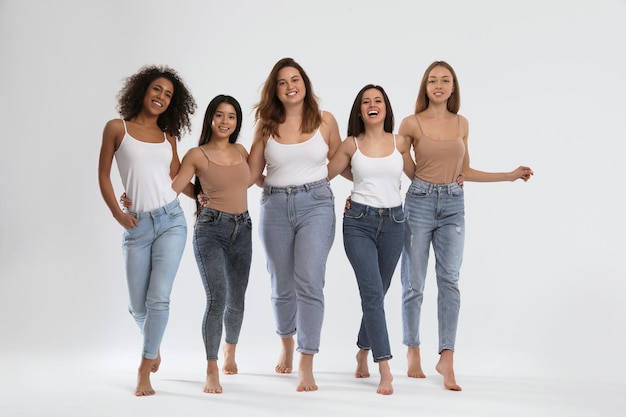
[353,213]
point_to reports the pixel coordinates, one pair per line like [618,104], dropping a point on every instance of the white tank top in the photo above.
[296,164]
[145,172]
[377,181]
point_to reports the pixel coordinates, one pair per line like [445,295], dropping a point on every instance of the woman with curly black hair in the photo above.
[155,107]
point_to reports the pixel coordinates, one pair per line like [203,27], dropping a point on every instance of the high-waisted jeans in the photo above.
[435,215]
[297,228]
[222,245]
[152,252]
[373,240]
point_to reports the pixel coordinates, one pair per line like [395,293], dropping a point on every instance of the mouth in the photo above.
[372,113]
[156,103]
[292,93]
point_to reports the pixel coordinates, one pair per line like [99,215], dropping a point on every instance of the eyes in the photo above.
[377,100]
[229,116]
[157,88]
[294,80]
[445,81]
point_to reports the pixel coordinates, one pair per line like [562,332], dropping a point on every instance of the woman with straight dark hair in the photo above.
[373,224]
[222,238]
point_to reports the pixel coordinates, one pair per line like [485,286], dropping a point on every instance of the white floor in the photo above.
[36,385]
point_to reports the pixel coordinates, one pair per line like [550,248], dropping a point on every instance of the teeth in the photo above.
[157,103]
[373,113]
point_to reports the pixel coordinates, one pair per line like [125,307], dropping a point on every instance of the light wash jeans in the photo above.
[152,251]
[435,215]
[373,240]
[297,228]
[222,245]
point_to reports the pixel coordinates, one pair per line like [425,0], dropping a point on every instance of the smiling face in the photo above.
[224,121]
[158,96]
[373,108]
[290,86]
[439,85]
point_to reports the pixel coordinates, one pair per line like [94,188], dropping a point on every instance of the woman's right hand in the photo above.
[127,220]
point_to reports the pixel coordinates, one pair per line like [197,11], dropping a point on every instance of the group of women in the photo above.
[296,151]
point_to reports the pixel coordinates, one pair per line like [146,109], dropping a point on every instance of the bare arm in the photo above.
[186,172]
[331,133]
[340,161]
[111,139]
[474,175]
[404,147]
[256,158]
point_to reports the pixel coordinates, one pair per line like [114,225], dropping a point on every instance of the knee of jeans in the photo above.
[158,305]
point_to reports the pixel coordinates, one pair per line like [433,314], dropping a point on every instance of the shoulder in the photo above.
[328,117]
[113,133]
[241,149]
[463,123]
[329,121]
[114,126]
[408,126]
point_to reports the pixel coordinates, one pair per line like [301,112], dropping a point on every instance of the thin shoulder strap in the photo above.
[356,143]
[419,124]
[205,154]
[124,122]
[458,119]
[395,143]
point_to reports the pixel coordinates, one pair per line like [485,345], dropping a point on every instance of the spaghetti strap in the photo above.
[356,143]
[124,123]
[458,120]
[205,154]
[419,124]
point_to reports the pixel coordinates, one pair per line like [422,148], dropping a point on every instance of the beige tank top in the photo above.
[439,161]
[226,185]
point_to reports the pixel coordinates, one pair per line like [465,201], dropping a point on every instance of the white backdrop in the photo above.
[542,84]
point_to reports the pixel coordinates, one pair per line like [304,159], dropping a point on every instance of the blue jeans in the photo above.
[435,215]
[222,244]
[297,228]
[373,240]
[152,252]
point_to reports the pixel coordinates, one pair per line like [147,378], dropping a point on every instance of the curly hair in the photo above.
[270,112]
[176,120]
[454,102]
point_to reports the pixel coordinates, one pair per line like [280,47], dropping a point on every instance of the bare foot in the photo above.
[414,362]
[362,370]
[285,360]
[230,366]
[305,373]
[445,367]
[156,363]
[212,384]
[385,387]
[144,388]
